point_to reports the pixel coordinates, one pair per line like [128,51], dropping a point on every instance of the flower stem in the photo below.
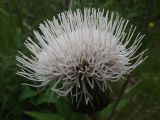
[119,98]
[94,116]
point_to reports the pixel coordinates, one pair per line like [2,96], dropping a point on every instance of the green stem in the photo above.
[119,98]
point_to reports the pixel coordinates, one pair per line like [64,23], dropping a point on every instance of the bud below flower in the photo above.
[100,99]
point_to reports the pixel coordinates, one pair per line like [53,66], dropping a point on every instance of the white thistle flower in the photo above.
[78,48]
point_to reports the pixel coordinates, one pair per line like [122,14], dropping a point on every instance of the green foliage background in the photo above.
[17,20]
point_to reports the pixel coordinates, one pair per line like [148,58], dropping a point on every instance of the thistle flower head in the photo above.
[80,52]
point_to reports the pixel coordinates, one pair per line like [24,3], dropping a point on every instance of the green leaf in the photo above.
[47,97]
[43,115]
[123,103]
[4,12]
[63,108]
[107,111]
[130,88]
[28,93]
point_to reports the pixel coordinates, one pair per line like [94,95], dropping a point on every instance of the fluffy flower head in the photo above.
[80,50]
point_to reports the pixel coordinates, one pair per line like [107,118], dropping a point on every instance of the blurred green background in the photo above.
[17,20]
